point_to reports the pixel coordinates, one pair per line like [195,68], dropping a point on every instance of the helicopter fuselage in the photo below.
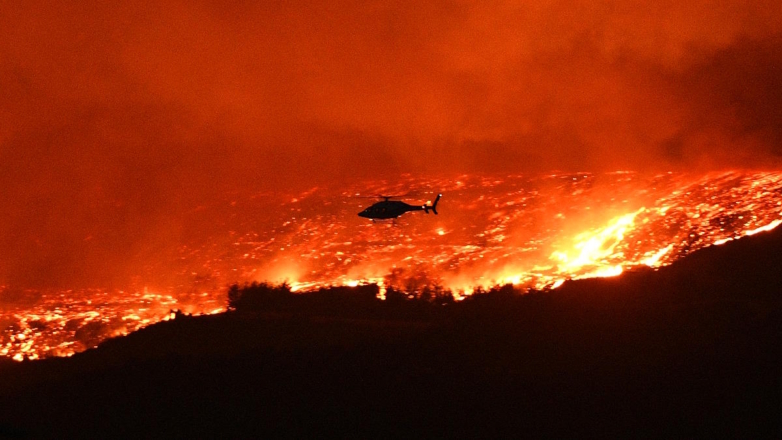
[388,209]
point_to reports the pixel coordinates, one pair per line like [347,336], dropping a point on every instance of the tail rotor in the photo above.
[433,207]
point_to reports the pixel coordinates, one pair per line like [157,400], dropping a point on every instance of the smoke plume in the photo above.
[118,117]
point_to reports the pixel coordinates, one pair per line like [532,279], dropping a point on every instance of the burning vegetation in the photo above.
[533,232]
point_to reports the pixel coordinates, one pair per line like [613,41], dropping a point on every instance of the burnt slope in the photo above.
[691,350]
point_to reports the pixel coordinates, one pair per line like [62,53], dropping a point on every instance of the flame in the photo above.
[530,231]
[654,259]
[594,249]
[765,228]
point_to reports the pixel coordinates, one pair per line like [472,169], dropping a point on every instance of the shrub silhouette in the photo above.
[258,296]
[427,303]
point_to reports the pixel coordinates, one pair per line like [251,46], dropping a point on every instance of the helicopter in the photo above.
[391,209]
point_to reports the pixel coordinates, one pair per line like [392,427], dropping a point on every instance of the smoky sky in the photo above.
[117,116]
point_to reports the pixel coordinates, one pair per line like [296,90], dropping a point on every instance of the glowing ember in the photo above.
[534,232]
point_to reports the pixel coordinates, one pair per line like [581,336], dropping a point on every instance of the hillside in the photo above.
[689,350]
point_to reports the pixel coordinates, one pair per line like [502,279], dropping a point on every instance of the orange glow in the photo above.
[533,232]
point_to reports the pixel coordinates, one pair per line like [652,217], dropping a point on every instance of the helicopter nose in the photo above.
[362,213]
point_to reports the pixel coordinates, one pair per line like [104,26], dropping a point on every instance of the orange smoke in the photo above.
[118,119]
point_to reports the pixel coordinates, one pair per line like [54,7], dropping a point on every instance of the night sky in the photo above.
[117,118]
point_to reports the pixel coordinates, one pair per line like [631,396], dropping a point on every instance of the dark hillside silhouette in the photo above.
[691,350]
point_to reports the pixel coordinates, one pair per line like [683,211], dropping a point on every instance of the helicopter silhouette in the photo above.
[391,209]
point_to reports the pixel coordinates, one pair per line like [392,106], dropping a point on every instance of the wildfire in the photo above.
[595,248]
[533,232]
